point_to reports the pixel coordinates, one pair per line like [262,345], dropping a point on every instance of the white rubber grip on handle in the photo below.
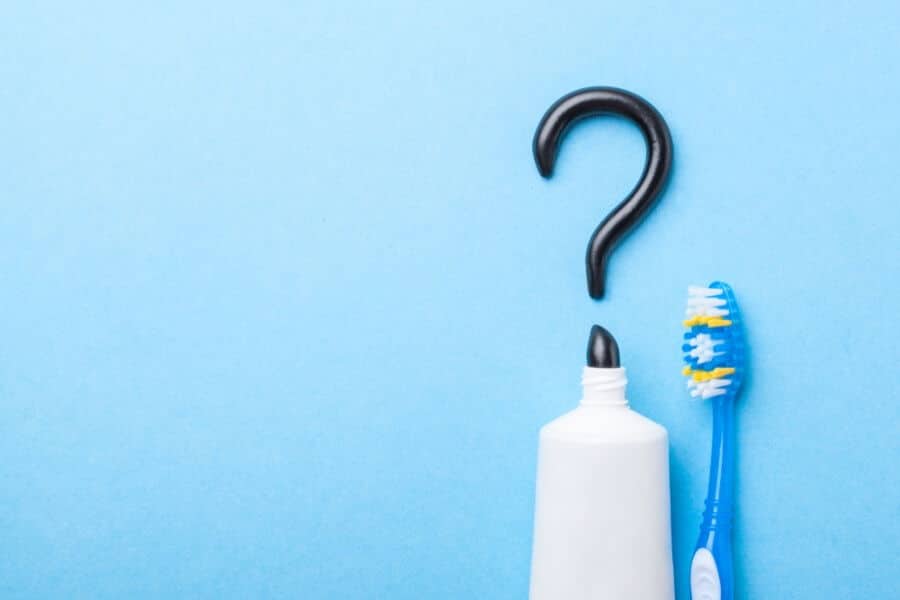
[705,583]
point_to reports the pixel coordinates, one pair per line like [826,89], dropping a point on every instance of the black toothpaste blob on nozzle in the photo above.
[602,350]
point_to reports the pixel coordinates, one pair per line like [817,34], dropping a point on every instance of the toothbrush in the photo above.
[714,363]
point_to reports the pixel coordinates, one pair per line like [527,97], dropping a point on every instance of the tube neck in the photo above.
[603,387]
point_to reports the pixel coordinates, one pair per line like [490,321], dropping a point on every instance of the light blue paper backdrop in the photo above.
[285,300]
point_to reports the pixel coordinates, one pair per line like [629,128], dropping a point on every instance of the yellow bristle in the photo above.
[701,376]
[708,321]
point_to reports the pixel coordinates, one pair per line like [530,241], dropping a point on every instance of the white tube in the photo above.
[602,515]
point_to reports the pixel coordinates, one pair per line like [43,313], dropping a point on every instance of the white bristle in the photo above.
[703,347]
[705,311]
[696,290]
[702,302]
[707,389]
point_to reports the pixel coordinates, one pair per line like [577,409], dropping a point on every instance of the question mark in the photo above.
[598,101]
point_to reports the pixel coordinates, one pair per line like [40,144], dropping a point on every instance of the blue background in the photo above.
[286,301]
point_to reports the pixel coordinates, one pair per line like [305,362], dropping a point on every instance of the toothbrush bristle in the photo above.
[713,349]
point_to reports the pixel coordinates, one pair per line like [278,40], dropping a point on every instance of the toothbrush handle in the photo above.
[712,572]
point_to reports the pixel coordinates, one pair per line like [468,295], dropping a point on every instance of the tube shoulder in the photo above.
[600,425]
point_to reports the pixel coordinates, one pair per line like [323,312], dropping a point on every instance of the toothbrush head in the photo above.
[714,349]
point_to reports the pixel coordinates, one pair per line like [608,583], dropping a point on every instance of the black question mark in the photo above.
[608,100]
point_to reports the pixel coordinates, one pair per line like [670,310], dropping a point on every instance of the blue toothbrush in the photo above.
[714,356]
